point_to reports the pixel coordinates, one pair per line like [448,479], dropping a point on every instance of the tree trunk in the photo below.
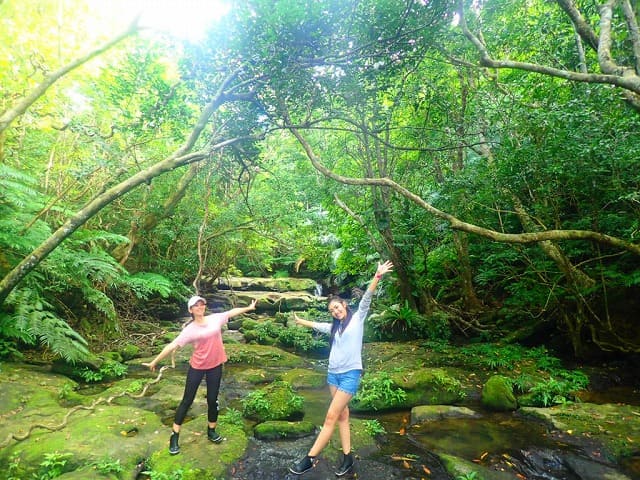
[469,297]
[180,158]
[151,220]
[576,278]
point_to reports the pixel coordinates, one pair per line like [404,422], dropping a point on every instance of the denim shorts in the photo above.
[347,382]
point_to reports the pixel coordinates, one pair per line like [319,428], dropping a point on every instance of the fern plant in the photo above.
[33,322]
[378,391]
[79,272]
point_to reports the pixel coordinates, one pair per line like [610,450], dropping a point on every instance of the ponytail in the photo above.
[184,325]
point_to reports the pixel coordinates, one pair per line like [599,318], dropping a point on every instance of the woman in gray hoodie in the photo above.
[345,371]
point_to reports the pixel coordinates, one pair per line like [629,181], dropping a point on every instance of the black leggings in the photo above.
[194,378]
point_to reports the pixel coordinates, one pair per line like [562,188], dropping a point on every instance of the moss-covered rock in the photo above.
[249,324]
[617,426]
[460,468]
[304,378]
[276,401]
[497,394]
[434,386]
[278,284]
[235,323]
[426,413]
[254,376]
[87,436]
[262,355]
[279,430]
[113,356]
[129,352]
[199,458]
[406,389]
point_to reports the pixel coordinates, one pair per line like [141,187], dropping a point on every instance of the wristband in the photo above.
[378,276]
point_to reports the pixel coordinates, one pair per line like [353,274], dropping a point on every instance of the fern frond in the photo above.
[12,234]
[33,321]
[9,330]
[83,237]
[58,336]
[144,284]
[80,266]
[100,301]
[19,189]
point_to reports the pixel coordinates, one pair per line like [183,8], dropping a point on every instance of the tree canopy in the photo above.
[489,149]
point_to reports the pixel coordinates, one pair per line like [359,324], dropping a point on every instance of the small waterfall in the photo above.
[318,290]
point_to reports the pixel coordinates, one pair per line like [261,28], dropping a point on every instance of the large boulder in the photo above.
[274,301]
[497,394]
[406,389]
[279,430]
[276,401]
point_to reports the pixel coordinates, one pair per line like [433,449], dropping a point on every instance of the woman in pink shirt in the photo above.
[205,332]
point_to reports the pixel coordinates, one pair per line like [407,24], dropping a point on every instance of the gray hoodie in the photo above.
[346,351]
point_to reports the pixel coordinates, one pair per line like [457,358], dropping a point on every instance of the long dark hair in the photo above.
[337,324]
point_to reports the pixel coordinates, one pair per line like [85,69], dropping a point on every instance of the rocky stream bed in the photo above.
[109,431]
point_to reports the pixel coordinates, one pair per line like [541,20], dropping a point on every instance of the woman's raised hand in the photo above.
[384,268]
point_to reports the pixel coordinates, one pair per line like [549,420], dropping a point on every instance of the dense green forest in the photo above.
[490,149]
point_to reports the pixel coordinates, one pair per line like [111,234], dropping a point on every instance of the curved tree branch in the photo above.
[456,223]
[582,27]
[179,158]
[9,115]
[625,78]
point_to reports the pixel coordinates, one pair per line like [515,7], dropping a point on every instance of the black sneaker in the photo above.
[213,436]
[304,465]
[174,448]
[347,465]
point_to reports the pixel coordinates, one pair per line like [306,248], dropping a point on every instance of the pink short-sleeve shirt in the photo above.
[208,350]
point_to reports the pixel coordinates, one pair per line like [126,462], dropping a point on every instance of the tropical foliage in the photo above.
[498,171]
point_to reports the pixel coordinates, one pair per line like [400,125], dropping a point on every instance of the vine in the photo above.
[60,426]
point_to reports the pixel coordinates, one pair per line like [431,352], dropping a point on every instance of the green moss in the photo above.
[458,467]
[276,401]
[130,351]
[304,378]
[199,458]
[254,376]
[87,436]
[113,356]
[497,394]
[613,425]
[249,324]
[262,355]
[277,430]
[406,389]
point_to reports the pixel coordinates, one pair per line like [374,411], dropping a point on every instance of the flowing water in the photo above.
[520,447]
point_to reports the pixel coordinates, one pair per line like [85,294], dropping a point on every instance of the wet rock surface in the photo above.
[580,441]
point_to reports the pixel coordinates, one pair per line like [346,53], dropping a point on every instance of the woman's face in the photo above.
[198,307]
[338,310]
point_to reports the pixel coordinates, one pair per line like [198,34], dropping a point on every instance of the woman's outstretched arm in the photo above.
[380,271]
[302,321]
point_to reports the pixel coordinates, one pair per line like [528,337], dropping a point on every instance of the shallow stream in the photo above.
[518,446]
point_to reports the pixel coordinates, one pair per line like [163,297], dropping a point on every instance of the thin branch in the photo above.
[360,221]
[613,74]
[8,116]
[634,31]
